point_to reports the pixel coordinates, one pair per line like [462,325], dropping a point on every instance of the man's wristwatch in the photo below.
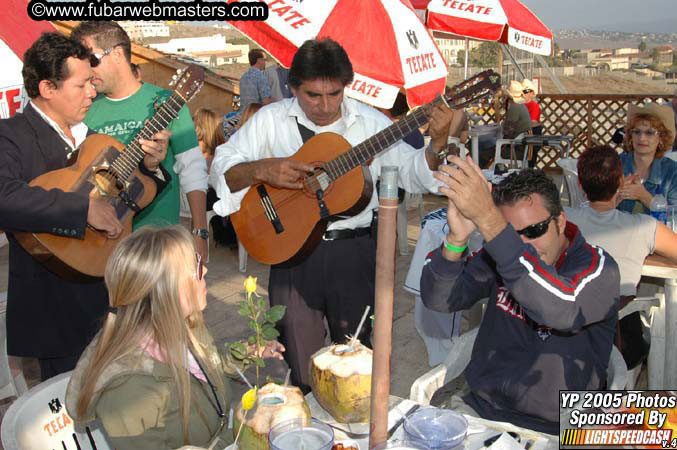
[204,234]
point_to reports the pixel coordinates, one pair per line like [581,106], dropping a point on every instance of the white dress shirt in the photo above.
[273,132]
[79,130]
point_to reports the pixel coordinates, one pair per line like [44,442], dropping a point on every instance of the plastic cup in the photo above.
[294,435]
[671,215]
[436,428]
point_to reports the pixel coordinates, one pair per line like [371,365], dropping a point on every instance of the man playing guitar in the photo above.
[49,317]
[336,280]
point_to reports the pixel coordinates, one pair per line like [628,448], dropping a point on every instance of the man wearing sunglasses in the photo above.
[121,110]
[553,299]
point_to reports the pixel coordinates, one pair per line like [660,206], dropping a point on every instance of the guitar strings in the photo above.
[125,164]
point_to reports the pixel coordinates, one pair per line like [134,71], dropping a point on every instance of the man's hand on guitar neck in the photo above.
[440,120]
[155,149]
[101,216]
[277,172]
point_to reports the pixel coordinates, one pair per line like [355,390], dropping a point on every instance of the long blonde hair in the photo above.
[144,276]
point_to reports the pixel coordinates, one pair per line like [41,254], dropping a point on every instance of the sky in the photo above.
[631,15]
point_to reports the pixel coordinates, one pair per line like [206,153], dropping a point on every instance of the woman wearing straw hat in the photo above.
[649,133]
[153,376]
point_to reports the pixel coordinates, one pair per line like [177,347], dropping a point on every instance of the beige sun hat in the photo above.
[663,113]
[515,91]
[528,84]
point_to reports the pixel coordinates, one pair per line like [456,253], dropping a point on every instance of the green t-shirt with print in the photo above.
[123,119]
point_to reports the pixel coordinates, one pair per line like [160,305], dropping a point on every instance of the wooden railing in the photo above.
[589,119]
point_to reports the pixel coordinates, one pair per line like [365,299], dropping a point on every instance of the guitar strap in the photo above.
[306,133]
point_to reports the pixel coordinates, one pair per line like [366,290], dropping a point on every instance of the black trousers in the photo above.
[337,282]
[51,367]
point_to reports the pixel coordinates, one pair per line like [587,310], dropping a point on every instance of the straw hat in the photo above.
[528,84]
[515,91]
[663,113]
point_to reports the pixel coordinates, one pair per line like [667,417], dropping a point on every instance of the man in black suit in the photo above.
[49,317]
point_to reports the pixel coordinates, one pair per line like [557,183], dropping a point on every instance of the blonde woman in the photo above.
[209,131]
[152,376]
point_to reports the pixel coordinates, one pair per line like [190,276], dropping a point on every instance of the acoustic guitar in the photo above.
[278,225]
[106,169]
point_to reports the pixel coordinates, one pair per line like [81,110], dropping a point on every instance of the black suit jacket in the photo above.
[47,316]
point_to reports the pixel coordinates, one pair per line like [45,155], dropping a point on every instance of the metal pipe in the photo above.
[383,308]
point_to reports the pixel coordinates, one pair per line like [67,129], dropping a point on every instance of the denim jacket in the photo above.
[663,173]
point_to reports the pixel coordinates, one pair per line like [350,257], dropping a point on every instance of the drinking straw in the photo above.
[359,327]
[239,372]
[286,379]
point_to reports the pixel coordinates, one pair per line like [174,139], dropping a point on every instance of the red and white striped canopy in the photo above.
[388,45]
[507,21]
[17,33]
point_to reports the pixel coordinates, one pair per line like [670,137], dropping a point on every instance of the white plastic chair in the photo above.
[12,381]
[574,191]
[38,421]
[425,386]
[648,307]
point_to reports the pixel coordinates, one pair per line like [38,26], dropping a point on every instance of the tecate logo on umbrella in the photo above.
[388,45]
[507,21]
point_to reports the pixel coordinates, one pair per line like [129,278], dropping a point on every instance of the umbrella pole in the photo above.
[383,310]
[465,74]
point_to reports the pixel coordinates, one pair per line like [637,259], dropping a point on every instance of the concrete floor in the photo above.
[225,287]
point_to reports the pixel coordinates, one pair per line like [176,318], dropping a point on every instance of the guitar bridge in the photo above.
[269,209]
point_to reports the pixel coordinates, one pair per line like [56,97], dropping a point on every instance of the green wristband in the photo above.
[453,248]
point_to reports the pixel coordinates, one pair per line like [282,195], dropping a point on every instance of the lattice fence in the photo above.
[589,119]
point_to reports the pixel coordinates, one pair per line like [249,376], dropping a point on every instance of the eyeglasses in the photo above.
[650,132]
[199,270]
[536,230]
[96,58]
[527,91]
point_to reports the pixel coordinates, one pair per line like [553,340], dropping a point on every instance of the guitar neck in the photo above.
[125,164]
[462,94]
[369,148]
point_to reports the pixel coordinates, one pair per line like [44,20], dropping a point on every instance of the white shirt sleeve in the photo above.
[191,167]
[414,175]
[243,146]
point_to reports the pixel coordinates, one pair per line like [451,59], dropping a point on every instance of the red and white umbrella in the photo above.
[17,33]
[507,21]
[388,45]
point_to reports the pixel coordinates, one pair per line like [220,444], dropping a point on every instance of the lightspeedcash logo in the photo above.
[146,10]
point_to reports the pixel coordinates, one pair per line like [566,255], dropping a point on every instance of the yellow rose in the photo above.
[250,284]
[249,398]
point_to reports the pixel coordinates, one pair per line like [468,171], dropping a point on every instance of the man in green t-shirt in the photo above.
[120,110]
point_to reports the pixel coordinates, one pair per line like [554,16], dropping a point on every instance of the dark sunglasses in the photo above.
[199,270]
[536,230]
[527,91]
[95,58]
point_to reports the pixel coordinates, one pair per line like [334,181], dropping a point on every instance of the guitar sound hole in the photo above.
[107,184]
[317,181]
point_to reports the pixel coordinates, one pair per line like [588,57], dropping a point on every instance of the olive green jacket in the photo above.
[136,401]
